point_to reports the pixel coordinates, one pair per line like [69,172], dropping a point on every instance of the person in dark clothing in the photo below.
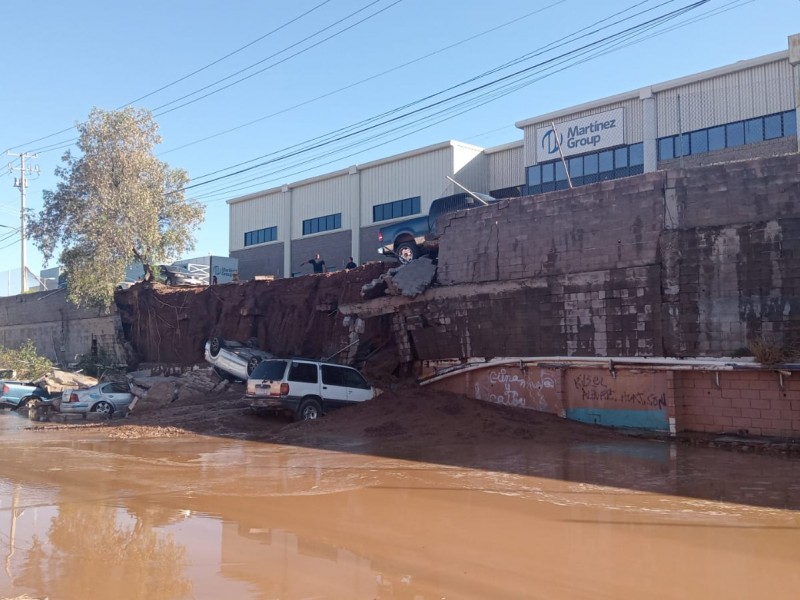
[317,263]
[350,264]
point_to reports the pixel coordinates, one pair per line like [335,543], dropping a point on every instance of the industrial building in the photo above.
[744,110]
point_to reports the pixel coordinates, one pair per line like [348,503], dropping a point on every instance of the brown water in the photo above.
[86,517]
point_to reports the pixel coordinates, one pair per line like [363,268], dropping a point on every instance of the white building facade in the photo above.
[745,110]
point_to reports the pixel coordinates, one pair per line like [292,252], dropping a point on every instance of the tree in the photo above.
[115,203]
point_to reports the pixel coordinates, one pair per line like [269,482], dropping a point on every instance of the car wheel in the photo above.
[406,252]
[309,410]
[103,408]
[252,364]
[217,344]
[23,404]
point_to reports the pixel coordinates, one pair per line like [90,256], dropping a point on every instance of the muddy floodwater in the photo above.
[84,516]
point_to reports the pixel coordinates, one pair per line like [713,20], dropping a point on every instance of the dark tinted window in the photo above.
[303,372]
[269,369]
[116,387]
[353,378]
[332,375]
[547,173]
[620,158]
[682,145]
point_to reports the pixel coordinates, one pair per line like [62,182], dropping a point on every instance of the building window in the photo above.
[320,224]
[261,236]
[750,131]
[587,168]
[396,209]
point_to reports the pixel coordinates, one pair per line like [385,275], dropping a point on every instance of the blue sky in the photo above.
[62,59]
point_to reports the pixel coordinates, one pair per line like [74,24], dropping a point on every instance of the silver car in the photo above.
[233,360]
[103,398]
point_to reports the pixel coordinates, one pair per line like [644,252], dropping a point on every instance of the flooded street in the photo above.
[85,516]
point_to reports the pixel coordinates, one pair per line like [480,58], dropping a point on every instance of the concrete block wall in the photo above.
[59,330]
[709,254]
[755,403]
[602,313]
[613,224]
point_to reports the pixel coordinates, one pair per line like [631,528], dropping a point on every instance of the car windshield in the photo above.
[269,369]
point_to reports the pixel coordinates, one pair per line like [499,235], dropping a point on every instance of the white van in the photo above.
[305,388]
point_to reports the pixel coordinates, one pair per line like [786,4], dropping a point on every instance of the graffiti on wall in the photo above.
[600,390]
[521,388]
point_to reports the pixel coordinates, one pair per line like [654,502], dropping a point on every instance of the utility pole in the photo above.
[22,183]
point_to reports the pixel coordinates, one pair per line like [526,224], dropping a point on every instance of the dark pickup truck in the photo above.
[415,237]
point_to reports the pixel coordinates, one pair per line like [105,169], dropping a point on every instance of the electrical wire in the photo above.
[335,136]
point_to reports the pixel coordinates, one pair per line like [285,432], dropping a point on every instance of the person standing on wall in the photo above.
[317,263]
[350,264]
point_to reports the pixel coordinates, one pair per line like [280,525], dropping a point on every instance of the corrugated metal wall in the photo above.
[506,167]
[321,198]
[754,92]
[634,129]
[256,213]
[420,175]
[470,168]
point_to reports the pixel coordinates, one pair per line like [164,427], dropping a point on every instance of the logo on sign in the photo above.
[587,134]
[549,142]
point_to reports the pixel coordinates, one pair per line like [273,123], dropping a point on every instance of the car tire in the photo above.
[216,344]
[23,403]
[252,364]
[310,409]
[103,408]
[406,252]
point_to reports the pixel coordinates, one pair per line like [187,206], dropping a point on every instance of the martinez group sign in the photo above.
[587,134]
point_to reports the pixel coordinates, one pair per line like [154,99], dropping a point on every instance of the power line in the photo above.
[343,133]
[283,60]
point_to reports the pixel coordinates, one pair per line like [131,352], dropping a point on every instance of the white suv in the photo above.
[305,388]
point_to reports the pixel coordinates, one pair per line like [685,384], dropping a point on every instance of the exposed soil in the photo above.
[403,419]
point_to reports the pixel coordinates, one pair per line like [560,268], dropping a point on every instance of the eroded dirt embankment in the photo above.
[295,316]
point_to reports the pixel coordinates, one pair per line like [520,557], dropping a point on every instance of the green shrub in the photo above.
[25,360]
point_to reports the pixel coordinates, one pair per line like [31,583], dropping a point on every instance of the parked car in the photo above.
[104,398]
[233,360]
[17,394]
[176,275]
[305,388]
[415,237]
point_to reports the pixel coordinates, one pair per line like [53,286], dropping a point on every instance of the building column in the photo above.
[286,200]
[355,214]
[649,130]
[794,60]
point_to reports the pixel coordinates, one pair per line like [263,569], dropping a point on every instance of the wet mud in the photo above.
[355,506]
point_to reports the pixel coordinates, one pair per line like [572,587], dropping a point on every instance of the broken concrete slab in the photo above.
[411,279]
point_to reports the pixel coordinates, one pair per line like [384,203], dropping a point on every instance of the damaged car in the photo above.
[232,359]
[104,398]
[306,388]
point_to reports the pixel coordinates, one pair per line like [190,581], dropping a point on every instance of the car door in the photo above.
[358,390]
[334,385]
[117,393]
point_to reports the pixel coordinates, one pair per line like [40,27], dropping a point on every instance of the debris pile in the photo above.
[408,280]
[158,390]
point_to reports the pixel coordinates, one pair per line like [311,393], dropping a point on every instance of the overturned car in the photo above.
[232,359]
